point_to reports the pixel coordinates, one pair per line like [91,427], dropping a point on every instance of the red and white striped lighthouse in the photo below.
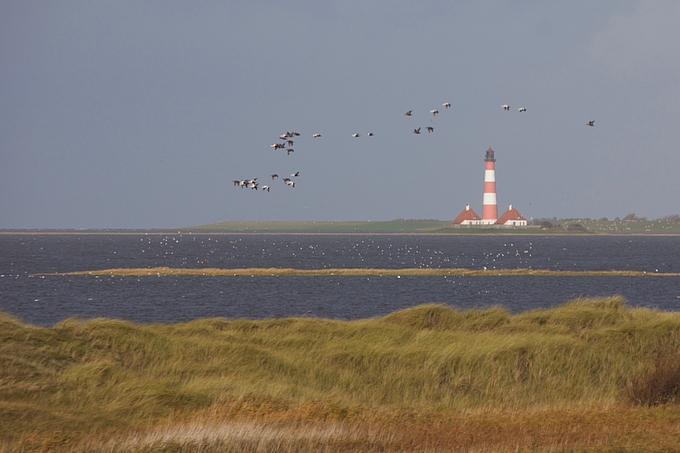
[489,207]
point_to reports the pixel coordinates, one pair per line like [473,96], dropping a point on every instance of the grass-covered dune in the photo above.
[589,375]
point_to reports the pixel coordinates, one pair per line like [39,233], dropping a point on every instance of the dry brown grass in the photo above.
[587,430]
[162,271]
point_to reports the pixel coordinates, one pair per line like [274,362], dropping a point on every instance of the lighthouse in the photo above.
[489,206]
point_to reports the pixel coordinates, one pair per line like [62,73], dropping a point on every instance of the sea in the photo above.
[44,300]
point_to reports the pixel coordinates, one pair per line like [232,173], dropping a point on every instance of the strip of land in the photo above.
[573,227]
[423,272]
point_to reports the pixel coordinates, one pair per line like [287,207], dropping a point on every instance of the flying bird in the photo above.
[236,182]
[369,134]
[446,104]
[290,150]
[409,113]
[430,129]
[265,188]
[316,135]
[505,107]
[274,176]
[355,135]
[522,109]
[290,183]
[434,112]
[297,173]
[416,131]
[591,123]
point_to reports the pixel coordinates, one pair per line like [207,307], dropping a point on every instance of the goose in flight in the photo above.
[522,109]
[416,131]
[274,176]
[290,183]
[409,113]
[505,107]
[447,104]
[591,123]
[297,173]
[369,134]
[236,182]
[430,129]
[355,135]
[434,112]
[290,150]
[265,188]
[316,135]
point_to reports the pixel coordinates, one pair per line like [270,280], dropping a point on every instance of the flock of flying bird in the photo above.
[287,143]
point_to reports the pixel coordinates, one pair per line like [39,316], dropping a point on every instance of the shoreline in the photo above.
[316,233]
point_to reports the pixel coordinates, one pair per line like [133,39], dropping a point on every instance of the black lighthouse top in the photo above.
[489,156]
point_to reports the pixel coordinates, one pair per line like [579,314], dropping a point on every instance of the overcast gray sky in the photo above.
[139,114]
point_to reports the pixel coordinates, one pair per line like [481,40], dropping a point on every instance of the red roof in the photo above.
[510,214]
[466,214]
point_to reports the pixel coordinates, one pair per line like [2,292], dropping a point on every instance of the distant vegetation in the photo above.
[630,224]
[589,375]
[392,226]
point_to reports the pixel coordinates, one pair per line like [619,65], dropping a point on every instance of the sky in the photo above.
[141,114]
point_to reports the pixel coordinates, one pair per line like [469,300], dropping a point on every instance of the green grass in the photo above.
[591,359]
[392,226]
[429,226]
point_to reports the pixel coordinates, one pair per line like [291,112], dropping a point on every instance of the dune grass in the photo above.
[588,375]
[159,271]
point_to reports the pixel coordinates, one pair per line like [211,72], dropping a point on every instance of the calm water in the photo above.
[46,300]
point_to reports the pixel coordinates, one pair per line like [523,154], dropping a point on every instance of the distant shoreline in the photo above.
[316,233]
[398,227]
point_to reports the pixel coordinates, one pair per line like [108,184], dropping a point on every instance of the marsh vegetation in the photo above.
[591,374]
